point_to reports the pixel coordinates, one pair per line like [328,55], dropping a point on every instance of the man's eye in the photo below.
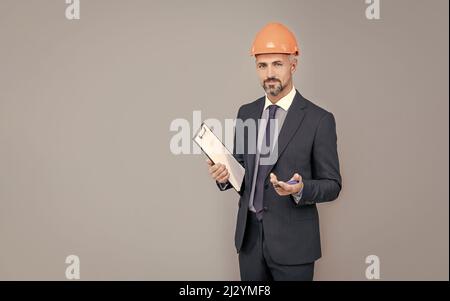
[261,66]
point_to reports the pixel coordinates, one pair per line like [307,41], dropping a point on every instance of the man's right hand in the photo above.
[218,172]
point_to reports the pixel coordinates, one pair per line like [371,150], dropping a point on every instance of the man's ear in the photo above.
[294,65]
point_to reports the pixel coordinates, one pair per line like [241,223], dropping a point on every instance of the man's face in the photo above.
[275,71]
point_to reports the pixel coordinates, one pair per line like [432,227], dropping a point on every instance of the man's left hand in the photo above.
[282,188]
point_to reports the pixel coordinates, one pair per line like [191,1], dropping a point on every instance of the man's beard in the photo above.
[274,87]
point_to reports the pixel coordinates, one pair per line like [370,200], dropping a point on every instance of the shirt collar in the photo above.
[284,102]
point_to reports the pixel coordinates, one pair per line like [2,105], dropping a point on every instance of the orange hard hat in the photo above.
[275,38]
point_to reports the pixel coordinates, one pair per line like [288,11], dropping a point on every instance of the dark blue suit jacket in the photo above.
[307,144]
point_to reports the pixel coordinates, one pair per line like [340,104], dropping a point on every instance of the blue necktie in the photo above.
[263,168]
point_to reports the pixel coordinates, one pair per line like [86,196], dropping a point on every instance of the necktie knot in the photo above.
[272,111]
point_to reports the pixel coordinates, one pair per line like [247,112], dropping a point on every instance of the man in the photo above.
[277,232]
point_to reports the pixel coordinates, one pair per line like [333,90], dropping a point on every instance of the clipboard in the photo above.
[216,151]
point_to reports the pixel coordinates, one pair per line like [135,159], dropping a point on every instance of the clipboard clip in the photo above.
[202,132]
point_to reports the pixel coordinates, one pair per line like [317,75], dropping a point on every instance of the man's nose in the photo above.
[270,72]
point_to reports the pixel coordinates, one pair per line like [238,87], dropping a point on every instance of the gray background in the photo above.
[85,109]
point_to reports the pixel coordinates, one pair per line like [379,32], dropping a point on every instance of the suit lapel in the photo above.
[254,114]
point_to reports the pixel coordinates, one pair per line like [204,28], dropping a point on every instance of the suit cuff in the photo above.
[306,194]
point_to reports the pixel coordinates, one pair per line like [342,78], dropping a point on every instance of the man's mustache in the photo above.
[272,79]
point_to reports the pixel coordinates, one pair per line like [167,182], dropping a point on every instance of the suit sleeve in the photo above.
[238,157]
[326,182]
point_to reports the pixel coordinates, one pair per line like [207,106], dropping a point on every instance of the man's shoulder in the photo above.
[247,108]
[315,109]
[316,113]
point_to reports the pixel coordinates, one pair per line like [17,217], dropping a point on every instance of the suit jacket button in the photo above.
[265,208]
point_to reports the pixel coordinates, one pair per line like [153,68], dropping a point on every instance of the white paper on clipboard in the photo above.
[218,153]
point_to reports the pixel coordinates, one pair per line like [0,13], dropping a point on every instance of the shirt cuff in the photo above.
[298,196]
[223,186]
